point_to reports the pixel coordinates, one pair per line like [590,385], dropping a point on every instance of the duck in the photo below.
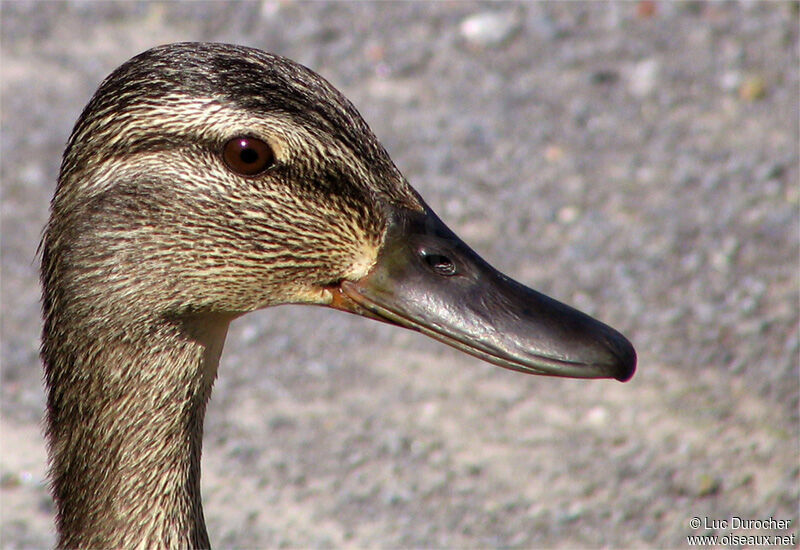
[202,182]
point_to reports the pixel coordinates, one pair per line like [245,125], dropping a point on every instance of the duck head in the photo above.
[213,180]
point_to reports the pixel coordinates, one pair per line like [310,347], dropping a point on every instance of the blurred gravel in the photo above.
[638,160]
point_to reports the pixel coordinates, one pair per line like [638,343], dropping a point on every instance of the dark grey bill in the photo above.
[428,280]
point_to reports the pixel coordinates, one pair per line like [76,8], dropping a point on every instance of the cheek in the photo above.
[241,291]
[364,257]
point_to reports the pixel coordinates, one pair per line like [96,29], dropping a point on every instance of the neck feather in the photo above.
[125,425]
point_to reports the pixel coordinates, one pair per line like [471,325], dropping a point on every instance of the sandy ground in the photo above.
[641,164]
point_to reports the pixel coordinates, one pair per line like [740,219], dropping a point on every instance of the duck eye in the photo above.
[248,156]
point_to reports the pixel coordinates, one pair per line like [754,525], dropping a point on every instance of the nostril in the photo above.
[440,264]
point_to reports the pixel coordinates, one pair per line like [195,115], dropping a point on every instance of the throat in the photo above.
[125,427]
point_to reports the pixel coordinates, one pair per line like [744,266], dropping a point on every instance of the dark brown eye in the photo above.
[248,156]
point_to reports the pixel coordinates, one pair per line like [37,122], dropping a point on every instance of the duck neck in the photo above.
[125,426]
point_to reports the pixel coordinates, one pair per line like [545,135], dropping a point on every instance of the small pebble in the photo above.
[488,29]
[708,485]
[597,416]
[643,77]
[10,480]
[770,171]
[645,9]
[570,514]
[553,153]
[753,88]
[269,9]
[730,81]
[604,76]
[568,214]
[250,333]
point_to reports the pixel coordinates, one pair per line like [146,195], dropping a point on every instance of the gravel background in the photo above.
[637,160]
